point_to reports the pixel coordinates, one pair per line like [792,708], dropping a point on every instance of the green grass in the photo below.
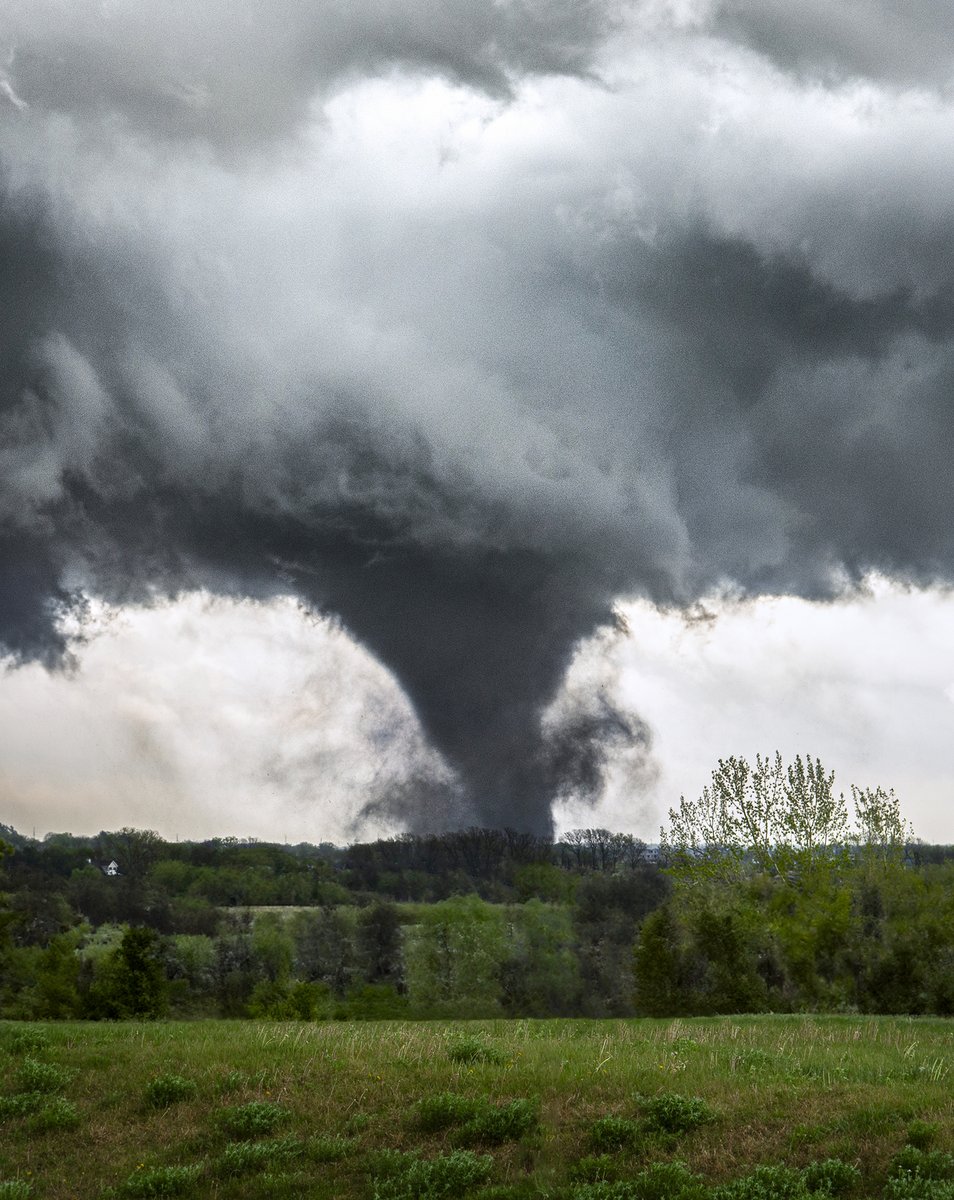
[343,1111]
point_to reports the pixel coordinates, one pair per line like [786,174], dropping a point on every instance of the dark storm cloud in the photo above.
[464,428]
[237,71]
[906,45]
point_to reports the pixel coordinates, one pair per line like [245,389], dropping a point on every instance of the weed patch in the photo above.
[407,1177]
[446,1110]
[35,1076]
[20,1105]
[470,1049]
[255,1119]
[493,1125]
[15,1189]
[662,1181]
[162,1181]
[672,1113]
[922,1134]
[610,1134]
[28,1041]
[330,1149]
[166,1090]
[58,1113]
[241,1158]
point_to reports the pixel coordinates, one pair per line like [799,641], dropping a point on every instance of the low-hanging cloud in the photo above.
[513,311]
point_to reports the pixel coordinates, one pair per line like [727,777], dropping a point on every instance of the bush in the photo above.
[20,1105]
[254,1119]
[329,1150]
[58,1113]
[662,1181]
[470,1049]
[162,1181]
[494,1125]
[407,1177]
[608,1134]
[240,1158]
[445,1110]
[594,1168]
[920,1175]
[922,1134]
[25,1040]
[35,1076]
[832,1177]
[672,1113]
[15,1189]
[166,1090]
[766,1183]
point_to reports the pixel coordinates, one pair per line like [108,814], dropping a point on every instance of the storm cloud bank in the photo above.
[462,322]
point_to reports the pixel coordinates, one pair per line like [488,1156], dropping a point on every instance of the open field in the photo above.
[248,1109]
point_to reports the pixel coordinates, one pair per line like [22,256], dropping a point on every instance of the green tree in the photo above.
[130,981]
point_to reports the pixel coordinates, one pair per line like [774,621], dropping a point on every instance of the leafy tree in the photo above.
[131,981]
[784,821]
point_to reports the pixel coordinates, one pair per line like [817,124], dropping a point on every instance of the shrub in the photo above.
[166,1090]
[35,1076]
[765,1183]
[58,1113]
[831,1177]
[407,1177]
[20,1105]
[25,1040]
[445,1110]
[594,1168]
[662,1181]
[240,1158]
[15,1189]
[254,1119]
[672,1113]
[924,1164]
[330,1149]
[162,1181]
[608,1134]
[922,1134]
[470,1049]
[493,1125]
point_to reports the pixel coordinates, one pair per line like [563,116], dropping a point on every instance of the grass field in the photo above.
[397,1110]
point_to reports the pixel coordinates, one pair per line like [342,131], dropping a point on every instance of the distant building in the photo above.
[111,868]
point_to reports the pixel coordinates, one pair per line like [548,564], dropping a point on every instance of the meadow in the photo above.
[723,1108]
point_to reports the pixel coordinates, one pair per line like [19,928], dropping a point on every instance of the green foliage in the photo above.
[35,1076]
[786,821]
[766,1183]
[468,1048]
[57,1113]
[595,1168]
[162,1181]
[15,1189]
[920,1175]
[493,1125]
[672,1113]
[330,1149]
[477,1120]
[20,1105]
[242,1158]
[408,1177]
[255,1119]
[445,1110]
[662,1181]
[131,980]
[609,1134]
[27,1041]
[452,958]
[923,1134]
[831,1177]
[166,1090]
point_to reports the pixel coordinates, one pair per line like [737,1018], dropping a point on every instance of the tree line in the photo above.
[770,893]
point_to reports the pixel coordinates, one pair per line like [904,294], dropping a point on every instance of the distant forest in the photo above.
[468,924]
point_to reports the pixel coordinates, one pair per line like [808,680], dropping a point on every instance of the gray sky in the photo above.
[362,364]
